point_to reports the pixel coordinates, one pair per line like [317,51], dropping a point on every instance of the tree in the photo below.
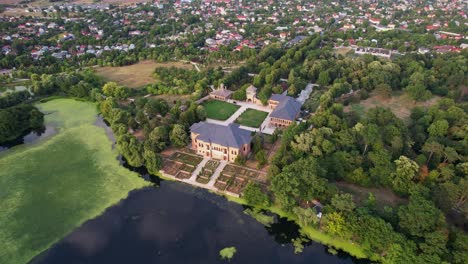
[178,136]
[306,216]
[255,196]
[343,202]
[334,224]
[261,157]
[432,148]
[452,196]
[109,88]
[459,248]
[406,170]
[323,78]
[157,139]
[201,112]
[153,161]
[419,217]
[439,128]
[299,181]
[418,92]
[106,106]
[131,149]
[435,243]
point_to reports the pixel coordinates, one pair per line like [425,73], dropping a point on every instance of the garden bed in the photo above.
[185,158]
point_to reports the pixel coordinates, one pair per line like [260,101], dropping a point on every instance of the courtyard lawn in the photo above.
[252,118]
[219,110]
[51,187]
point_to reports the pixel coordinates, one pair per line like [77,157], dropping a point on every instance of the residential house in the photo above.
[220,142]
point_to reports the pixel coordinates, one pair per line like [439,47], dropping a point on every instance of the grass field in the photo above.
[136,75]
[399,103]
[252,118]
[49,188]
[219,110]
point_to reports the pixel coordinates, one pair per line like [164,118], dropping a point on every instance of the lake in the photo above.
[176,223]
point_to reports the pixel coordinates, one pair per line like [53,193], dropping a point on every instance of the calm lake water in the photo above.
[176,223]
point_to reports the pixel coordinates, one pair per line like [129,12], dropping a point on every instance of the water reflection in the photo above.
[29,137]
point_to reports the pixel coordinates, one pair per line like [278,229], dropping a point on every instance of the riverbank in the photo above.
[351,248]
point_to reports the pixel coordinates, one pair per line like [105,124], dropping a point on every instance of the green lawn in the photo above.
[252,118]
[49,188]
[219,110]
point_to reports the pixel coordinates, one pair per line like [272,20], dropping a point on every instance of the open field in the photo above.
[400,104]
[51,187]
[136,75]
[252,118]
[219,110]
[342,50]
[171,99]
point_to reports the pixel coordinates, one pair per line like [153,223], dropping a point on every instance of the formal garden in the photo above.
[234,178]
[181,165]
[219,110]
[206,172]
[252,118]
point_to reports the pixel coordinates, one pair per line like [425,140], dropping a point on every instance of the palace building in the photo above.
[220,142]
[286,110]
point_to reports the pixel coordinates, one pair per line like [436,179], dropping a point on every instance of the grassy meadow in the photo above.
[399,103]
[136,75]
[49,188]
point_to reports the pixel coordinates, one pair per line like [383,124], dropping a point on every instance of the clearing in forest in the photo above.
[399,103]
[136,75]
[51,187]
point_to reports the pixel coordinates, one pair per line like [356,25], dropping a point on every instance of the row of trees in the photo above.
[160,124]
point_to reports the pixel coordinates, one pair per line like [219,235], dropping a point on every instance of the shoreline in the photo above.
[312,233]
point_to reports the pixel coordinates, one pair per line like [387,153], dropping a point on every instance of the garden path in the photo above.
[216,174]
[199,168]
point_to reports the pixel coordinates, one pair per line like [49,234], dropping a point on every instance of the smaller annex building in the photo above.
[285,110]
[220,142]
[221,93]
